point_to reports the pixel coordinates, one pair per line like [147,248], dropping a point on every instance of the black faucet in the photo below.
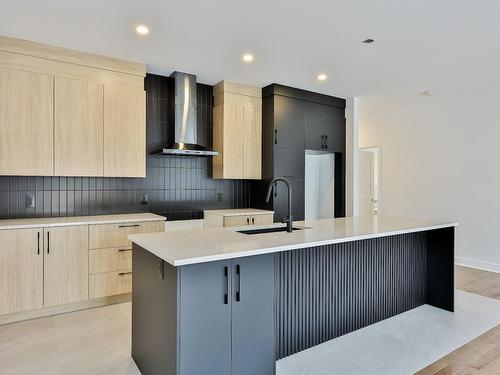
[289,219]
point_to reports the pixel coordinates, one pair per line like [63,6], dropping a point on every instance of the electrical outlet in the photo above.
[29,201]
[144,199]
[220,197]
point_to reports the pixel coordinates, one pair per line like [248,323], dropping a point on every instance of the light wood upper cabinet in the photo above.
[26,123]
[124,131]
[252,142]
[229,163]
[79,126]
[70,113]
[65,265]
[237,131]
[21,270]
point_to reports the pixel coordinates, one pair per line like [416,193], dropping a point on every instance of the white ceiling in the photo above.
[447,46]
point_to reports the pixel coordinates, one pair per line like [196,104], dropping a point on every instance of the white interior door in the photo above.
[366,188]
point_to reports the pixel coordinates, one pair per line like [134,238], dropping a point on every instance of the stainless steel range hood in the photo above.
[186,137]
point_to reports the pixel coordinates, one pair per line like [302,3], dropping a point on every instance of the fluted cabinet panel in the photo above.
[328,291]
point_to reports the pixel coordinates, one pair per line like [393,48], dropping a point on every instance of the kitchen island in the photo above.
[218,301]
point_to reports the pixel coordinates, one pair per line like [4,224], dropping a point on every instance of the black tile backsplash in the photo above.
[179,187]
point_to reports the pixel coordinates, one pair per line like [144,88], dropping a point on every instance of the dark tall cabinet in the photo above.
[294,120]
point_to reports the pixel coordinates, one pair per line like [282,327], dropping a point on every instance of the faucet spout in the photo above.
[289,218]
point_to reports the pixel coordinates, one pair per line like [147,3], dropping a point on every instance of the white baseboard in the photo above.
[485,266]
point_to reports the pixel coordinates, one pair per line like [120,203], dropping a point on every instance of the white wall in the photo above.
[352,140]
[440,159]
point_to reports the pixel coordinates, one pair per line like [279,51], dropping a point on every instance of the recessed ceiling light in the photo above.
[368,41]
[426,93]
[142,30]
[247,57]
[322,77]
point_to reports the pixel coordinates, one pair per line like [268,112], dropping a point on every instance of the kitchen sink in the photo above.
[265,230]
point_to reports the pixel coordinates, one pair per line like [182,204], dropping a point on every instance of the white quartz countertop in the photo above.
[77,220]
[239,211]
[204,245]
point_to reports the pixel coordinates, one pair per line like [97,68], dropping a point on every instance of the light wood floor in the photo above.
[477,281]
[482,355]
[478,357]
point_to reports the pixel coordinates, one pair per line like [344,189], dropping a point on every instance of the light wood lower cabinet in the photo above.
[241,220]
[110,283]
[45,267]
[115,235]
[236,218]
[236,221]
[65,265]
[112,259]
[110,256]
[262,219]
[21,270]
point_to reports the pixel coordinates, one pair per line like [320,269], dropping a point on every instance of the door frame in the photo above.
[377,148]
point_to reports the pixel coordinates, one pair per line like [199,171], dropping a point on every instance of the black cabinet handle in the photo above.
[253,220]
[275,136]
[248,221]
[120,250]
[326,141]
[275,189]
[38,245]
[226,285]
[238,283]
[129,226]
[124,273]
[48,242]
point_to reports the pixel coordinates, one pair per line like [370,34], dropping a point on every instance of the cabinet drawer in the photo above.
[111,259]
[110,283]
[115,235]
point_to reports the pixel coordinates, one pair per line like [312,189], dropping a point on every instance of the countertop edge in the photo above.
[66,221]
[241,254]
[241,213]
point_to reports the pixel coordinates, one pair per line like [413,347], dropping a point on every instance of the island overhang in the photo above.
[185,247]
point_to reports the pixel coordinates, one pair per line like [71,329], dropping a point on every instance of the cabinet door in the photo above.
[21,270]
[252,142]
[315,126]
[124,131]
[335,129]
[205,319]
[26,123]
[236,221]
[253,315]
[78,128]
[262,219]
[233,140]
[289,162]
[65,265]
[289,122]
